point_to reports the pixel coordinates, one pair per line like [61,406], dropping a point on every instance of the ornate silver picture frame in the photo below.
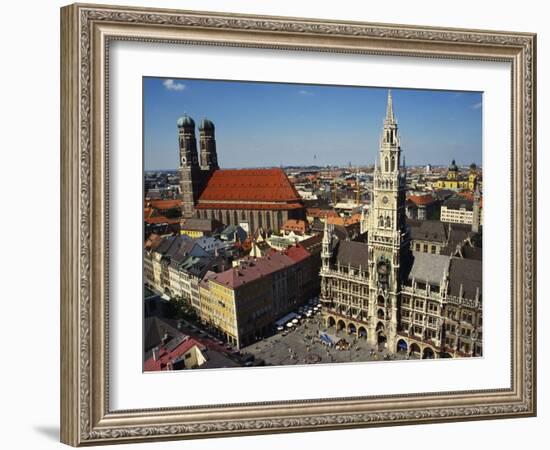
[87,32]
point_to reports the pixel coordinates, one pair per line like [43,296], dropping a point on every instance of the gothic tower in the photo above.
[326,255]
[208,154]
[388,243]
[189,170]
[476,213]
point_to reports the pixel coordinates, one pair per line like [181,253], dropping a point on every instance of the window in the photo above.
[425,248]
[433,249]
[417,247]
[419,304]
[386,164]
[393,163]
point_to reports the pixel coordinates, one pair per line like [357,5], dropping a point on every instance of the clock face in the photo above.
[385,200]
[382,268]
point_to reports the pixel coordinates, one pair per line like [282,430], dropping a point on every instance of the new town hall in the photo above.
[377,287]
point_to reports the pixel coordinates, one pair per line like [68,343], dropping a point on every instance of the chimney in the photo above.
[156,354]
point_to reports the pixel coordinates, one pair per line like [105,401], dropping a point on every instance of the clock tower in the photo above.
[388,242]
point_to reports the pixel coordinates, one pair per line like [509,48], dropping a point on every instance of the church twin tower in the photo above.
[195,173]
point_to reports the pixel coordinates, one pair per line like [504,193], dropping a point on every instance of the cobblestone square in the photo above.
[302,345]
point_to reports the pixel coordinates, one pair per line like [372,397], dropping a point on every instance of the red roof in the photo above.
[296,225]
[255,206]
[317,212]
[161,219]
[344,221]
[164,204]
[297,253]
[422,200]
[165,357]
[250,185]
[251,269]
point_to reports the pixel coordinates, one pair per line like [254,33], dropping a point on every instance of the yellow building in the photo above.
[243,302]
[217,307]
[456,181]
[197,228]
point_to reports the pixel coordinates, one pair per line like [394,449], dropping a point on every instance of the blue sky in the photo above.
[272,124]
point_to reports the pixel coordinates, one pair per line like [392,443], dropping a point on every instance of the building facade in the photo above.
[426,304]
[176,265]
[455,180]
[243,303]
[463,210]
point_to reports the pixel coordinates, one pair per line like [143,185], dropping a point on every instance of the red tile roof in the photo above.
[165,357]
[251,269]
[321,213]
[161,219]
[344,221]
[254,206]
[250,185]
[164,204]
[422,200]
[296,225]
[297,253]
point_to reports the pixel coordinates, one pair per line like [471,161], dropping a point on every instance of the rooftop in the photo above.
[429,268]
[250,185]
[251,269]
[353,253]
[422,200]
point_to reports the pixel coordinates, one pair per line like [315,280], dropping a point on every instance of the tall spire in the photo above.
[390,118]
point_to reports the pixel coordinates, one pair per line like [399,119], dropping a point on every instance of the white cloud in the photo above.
[476,105]
[171,85]
[304,92]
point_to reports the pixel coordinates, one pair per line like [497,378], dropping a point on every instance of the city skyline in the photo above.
[275,124]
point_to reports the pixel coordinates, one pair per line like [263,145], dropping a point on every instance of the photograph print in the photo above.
[289,224]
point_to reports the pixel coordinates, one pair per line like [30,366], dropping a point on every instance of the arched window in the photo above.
[380,221]
[227,218]
[393,163]
[279,220]
[386,168]
[268,220]
[243,217]
[235,218]
[388,222]
[260,220]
